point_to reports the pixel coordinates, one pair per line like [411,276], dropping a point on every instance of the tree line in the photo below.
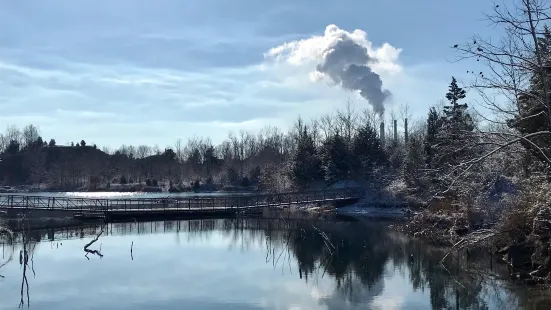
[453,151]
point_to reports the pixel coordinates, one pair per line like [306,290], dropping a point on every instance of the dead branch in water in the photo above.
[472,239]
[326,240]
[95,252]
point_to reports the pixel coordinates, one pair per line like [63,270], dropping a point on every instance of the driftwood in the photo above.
[95,252]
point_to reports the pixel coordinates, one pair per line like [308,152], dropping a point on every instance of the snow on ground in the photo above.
[363,208]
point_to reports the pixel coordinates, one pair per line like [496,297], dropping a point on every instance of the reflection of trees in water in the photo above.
[8,247]
[26,254]
[357,265]
[364,251]
[26,240]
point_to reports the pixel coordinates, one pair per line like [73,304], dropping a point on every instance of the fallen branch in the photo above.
[326,240]
[472,239]
[95,252]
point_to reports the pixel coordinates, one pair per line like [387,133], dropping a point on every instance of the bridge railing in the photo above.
[177,203]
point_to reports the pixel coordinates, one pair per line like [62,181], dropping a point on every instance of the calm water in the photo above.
[247,264]
[128,195]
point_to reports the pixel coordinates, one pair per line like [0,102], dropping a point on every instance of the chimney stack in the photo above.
[406,130]
[382,133]
[395,131]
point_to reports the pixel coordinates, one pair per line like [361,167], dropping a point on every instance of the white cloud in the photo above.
[313,50]
[346,59]
[169,71]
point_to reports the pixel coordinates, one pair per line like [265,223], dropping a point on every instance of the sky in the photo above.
[150,72]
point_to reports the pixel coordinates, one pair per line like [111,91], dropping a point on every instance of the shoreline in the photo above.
[443,227]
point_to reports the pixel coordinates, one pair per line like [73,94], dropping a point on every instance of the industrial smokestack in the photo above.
[395,131]
[406,130]
[382,133]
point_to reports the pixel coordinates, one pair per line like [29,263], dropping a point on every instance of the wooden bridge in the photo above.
[170,206]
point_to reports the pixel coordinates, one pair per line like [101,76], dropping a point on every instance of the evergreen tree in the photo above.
[82,143]
[254,174]
[455,133]
[455,93]
[39,142]
[232,176]
[434,122]
[169,153]
[209,159]
[534,105]
[13,148]
[305,164]
[366,151]
[196,186]
[336,159]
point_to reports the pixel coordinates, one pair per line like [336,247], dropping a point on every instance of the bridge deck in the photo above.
[173,205]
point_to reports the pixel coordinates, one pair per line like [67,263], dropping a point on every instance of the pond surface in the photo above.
[246,264]
[127,195]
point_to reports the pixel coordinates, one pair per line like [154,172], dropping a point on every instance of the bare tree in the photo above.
[4,142]
[13,134]
[515,86]
[347,121]
[179,148]
[30,134]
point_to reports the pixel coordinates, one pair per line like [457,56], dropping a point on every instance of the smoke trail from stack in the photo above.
[346,64]
[347,59]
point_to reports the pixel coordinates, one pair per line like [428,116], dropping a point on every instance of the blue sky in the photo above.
[149,72]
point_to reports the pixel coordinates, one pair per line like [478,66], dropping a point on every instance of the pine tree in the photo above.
[209,159]
[454,134]
[367,151]
[434,122]
[13,148]
[336,159]
[305,164]
[455,93]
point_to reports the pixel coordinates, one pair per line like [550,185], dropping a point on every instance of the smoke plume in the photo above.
[347,59]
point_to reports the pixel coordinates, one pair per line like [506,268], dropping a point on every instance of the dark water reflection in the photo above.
[248,264]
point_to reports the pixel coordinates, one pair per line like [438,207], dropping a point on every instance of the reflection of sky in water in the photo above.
[206,270]
[206,274]
[127,195]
